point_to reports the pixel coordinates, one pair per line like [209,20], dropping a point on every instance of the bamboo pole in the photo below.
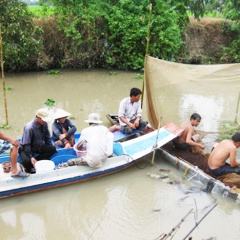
[149,28]
[156,143]
[197,223]
[147,46]
[165,236]
[237,107]
[3,77]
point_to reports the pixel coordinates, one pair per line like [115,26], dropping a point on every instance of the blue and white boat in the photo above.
[55,172]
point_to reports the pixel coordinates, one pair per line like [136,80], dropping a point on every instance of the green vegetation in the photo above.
[227,129]
[107,33]
[53,72]
[21,38]
[41,11]
[139,76]
[5,126]
[50,102]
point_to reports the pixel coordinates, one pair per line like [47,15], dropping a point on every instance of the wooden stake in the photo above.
[156,143]
[3,78]
[147,45]
[237,107]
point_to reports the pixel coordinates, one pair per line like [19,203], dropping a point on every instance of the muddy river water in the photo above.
[129,205]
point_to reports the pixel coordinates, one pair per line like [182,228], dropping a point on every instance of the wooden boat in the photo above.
[209,183]
[113,118]
[59,173]
[193,172]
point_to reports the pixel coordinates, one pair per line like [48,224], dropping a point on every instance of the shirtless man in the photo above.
[188,139]
[221,152]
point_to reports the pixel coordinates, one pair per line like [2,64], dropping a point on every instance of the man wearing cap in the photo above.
[98,140]
[130,112]
[63,129]
[36,141]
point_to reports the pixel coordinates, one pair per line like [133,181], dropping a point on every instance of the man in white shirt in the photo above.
[130,112]
[98,141]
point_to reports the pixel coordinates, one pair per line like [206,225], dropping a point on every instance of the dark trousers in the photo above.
[127,130]
[46,152]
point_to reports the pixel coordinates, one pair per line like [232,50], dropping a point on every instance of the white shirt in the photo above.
[99,144]
[129,110]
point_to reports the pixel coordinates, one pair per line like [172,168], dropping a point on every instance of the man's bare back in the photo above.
[225,149]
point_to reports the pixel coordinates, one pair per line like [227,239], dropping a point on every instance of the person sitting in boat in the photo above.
[36,143]
[63,129]
[130,112]
[188,138]
[221,152]
[8,143]
[97,141]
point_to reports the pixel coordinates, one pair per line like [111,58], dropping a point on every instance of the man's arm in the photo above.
[233,161]
[14,142]
[190,141]
[124,120]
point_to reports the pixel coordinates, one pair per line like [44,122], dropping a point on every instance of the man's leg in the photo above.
[46,152]
[13,158]
[26,162]
[126,130]
[225,170]
[142,124]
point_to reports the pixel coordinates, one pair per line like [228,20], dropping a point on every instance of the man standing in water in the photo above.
[227,148]
[188,138]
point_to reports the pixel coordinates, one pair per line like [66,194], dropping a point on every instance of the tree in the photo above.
[232,28]
[17,39]
[21,38]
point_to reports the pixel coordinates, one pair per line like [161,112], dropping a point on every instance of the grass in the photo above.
[227,129]
[39,11]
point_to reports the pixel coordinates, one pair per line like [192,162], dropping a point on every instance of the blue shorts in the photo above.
[225,169]
[4,146]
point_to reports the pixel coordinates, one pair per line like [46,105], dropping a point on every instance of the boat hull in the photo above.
[61,177]
[210,184]
[126,154]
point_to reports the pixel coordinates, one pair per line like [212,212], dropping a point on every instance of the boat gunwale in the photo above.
[204,178]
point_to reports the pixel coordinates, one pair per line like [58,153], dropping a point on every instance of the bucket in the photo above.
[80,153]
[44,166]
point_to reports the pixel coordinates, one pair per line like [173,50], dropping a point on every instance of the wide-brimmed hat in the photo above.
[60,113]
[44,114]
[93,118]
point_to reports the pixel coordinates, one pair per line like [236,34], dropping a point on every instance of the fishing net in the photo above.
[173,91]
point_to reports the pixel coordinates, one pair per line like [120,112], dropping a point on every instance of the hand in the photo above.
[33,161]
[136,123]
[132,126]
[67,146]
[62,136]
[201,146]
[15,143]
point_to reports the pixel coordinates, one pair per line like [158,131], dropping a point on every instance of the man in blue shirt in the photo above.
[36,143]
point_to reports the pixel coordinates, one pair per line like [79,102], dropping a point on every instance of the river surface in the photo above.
[127,205]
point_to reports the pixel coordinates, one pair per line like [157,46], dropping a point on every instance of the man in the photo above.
[188,139]
[98,143]
[130,112]
[36,141]
[7,143]
[221,152]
